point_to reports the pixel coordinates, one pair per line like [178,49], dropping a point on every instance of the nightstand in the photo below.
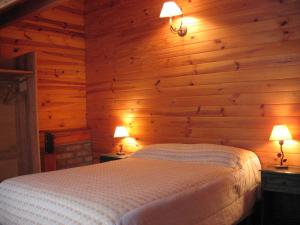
[280,196]
[112,156]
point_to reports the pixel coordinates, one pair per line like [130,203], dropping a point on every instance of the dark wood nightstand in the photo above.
[111,157]
[280,196]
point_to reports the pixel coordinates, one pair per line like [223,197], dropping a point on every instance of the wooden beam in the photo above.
[26,9]
[7,3]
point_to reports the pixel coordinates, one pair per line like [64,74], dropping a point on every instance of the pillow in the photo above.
[204,153]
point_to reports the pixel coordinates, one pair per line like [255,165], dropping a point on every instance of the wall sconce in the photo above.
[281,133]
[171,9]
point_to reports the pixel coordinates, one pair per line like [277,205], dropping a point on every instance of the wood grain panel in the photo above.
[57,36]
[229,80]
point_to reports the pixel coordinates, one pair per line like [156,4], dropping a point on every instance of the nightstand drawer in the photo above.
[287,183]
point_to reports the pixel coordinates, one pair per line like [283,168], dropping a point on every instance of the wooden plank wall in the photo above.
[233,76]
[57,35]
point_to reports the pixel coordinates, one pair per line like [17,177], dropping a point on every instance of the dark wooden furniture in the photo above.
[111,157]
[18,76]
[49,162]
[280,196]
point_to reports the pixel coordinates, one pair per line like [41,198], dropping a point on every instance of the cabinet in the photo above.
[281,196]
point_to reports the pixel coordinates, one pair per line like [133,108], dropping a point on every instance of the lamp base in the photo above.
[182,31]
[282,167]
[120,153]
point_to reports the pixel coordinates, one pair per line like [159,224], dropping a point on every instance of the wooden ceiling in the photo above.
[7,4]
[13,10]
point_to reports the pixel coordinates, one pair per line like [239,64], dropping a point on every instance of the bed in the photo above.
[162,184]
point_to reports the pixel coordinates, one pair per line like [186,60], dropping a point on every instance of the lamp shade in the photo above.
[121,132]
[280,133]
[170,9]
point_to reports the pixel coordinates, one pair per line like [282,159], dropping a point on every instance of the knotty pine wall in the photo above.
[235,74]
[57,35]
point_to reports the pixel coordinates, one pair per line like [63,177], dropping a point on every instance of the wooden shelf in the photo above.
[15,72]
[12,75]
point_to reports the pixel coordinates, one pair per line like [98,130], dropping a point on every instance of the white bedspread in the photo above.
[132,191]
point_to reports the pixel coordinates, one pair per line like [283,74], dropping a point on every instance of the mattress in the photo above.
[150,188]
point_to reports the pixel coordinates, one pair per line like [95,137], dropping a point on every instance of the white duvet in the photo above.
[160,185]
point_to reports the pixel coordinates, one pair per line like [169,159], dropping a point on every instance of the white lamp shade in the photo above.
[121,132]
[170,9]
[280,133]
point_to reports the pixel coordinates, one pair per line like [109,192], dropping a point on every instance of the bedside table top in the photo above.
[281,180]
[289,170]
[114,155]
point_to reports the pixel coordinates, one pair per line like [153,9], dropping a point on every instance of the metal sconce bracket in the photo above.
[181,31]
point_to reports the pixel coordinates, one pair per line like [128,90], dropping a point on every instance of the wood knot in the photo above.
[146,12]
[237,65]
[198,109]
[65,25]
[131,60]
[188,120]
[157,83]
[283,23]
[222,111]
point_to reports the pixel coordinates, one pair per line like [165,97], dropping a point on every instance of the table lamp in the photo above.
[121,132]
[281,133]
